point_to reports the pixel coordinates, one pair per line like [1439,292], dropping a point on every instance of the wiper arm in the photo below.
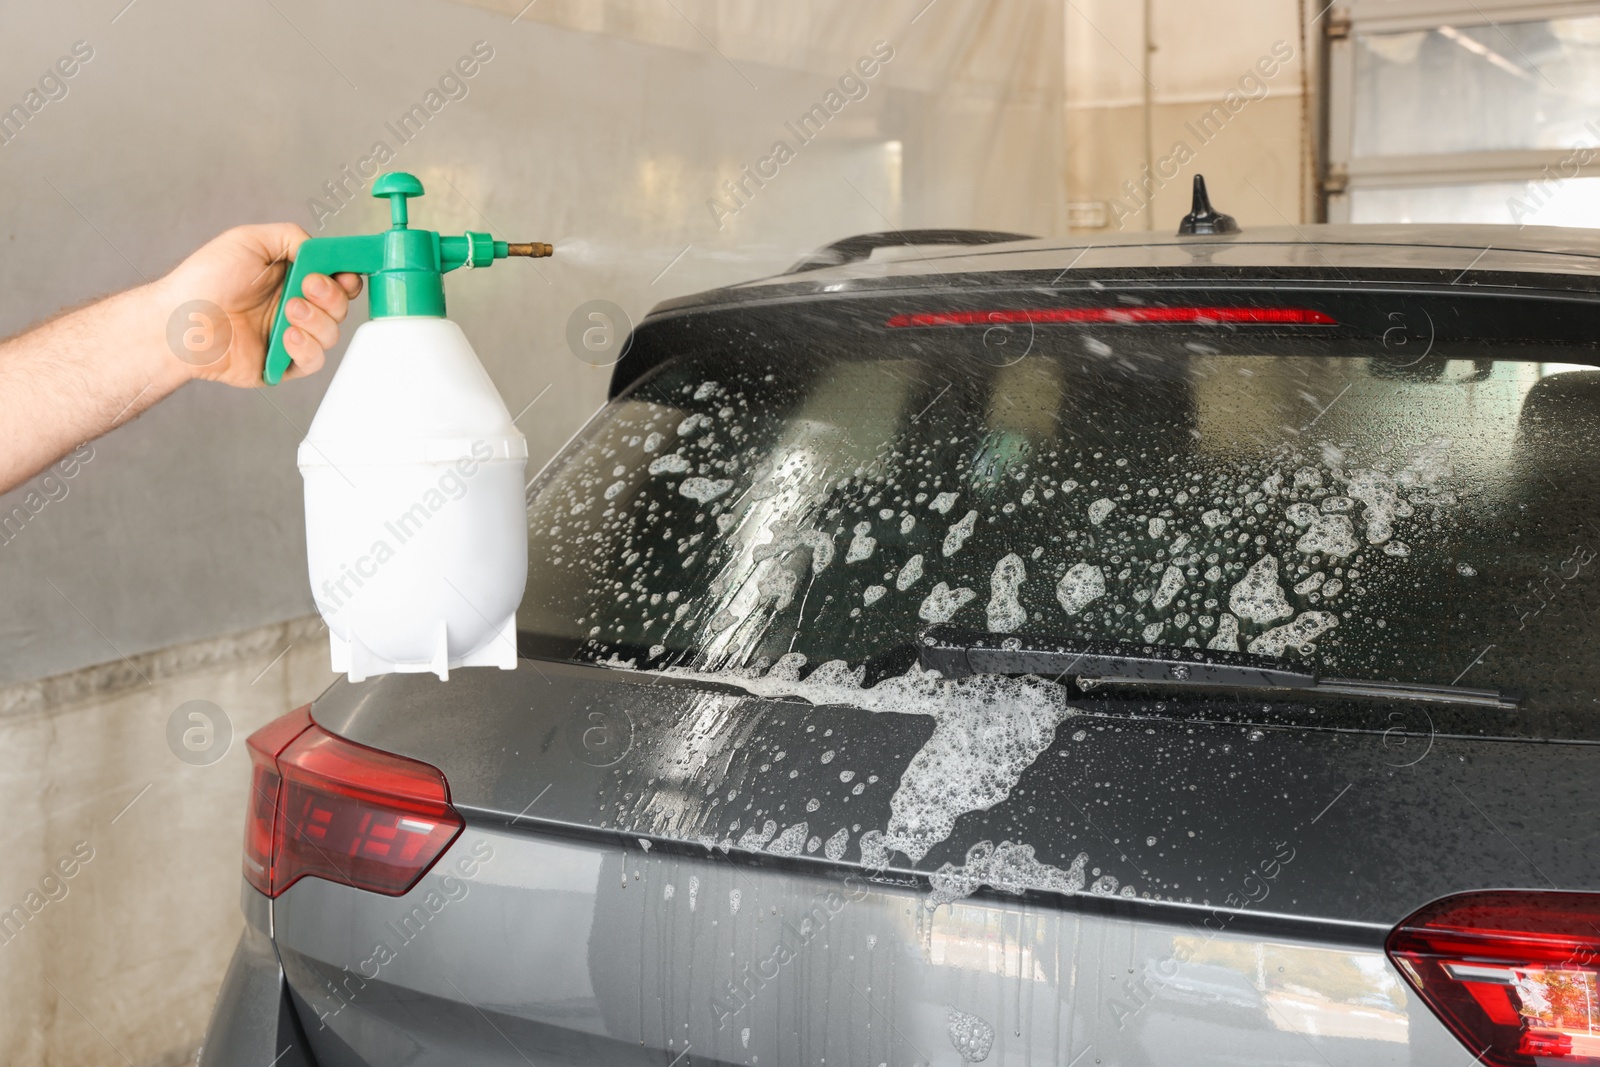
[956,653]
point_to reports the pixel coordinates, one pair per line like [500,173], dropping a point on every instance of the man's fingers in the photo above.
[304,350]
[323,292]
[314,321]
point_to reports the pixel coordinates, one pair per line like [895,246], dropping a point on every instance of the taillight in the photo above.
[1179,316]
[1512,974]
[260,817]
[325,807]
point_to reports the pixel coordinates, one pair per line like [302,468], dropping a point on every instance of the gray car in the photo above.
[973,649]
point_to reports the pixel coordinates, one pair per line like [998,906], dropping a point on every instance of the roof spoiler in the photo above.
[855,249]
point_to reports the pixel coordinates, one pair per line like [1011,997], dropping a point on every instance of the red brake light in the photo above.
[1191,316]
[1512,974]
[264,746]
[329,808]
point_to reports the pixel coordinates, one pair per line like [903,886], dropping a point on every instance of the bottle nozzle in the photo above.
[533,249]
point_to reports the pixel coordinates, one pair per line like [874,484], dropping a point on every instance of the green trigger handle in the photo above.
[404,267]
[320,255]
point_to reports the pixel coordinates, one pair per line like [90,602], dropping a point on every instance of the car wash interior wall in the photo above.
[160,572]
[1160,90]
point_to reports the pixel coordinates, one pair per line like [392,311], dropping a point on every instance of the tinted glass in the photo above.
[1427,521]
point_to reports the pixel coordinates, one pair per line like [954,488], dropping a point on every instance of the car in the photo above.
[971,648]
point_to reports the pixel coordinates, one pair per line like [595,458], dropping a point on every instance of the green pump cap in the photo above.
[405,268]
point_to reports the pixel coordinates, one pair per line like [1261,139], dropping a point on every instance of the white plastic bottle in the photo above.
[416,527]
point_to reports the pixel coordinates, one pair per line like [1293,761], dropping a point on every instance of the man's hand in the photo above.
[78,375]
[242,272]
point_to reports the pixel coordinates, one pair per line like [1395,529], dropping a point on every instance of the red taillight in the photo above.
[1179,316]
[1512,974]
[260,816]
[329,808]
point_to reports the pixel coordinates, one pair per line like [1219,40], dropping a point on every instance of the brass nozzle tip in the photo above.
[534,249]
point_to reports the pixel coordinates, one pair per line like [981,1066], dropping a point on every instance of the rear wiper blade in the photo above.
[956,653]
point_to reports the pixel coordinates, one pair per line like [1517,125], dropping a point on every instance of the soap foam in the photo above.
[1306,628]
[1171,583]
[671,463]
[971,1037]
[1310,584]
[957,535]
[1080,586]
[1376,491]
[988,729]
[909,573]
[944,602]
[1227,636]
[1006,613]
[786,538]
[862,544]
[704,489]
[1008,867]
[1331,535]
[1258,596]
[791,841]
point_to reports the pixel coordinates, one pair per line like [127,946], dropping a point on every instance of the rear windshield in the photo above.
[1428,520]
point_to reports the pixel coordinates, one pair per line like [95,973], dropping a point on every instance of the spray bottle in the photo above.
[416,531]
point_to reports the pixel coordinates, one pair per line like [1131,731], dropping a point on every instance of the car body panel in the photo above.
[254,1020]
[1380,822]
[565,952]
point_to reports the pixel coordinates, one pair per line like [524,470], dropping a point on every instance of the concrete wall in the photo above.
[1140,123]
[119,962]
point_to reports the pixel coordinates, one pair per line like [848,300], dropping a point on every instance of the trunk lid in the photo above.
[609,902]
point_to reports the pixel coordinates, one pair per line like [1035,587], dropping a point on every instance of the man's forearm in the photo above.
[88,371]
[62,383]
